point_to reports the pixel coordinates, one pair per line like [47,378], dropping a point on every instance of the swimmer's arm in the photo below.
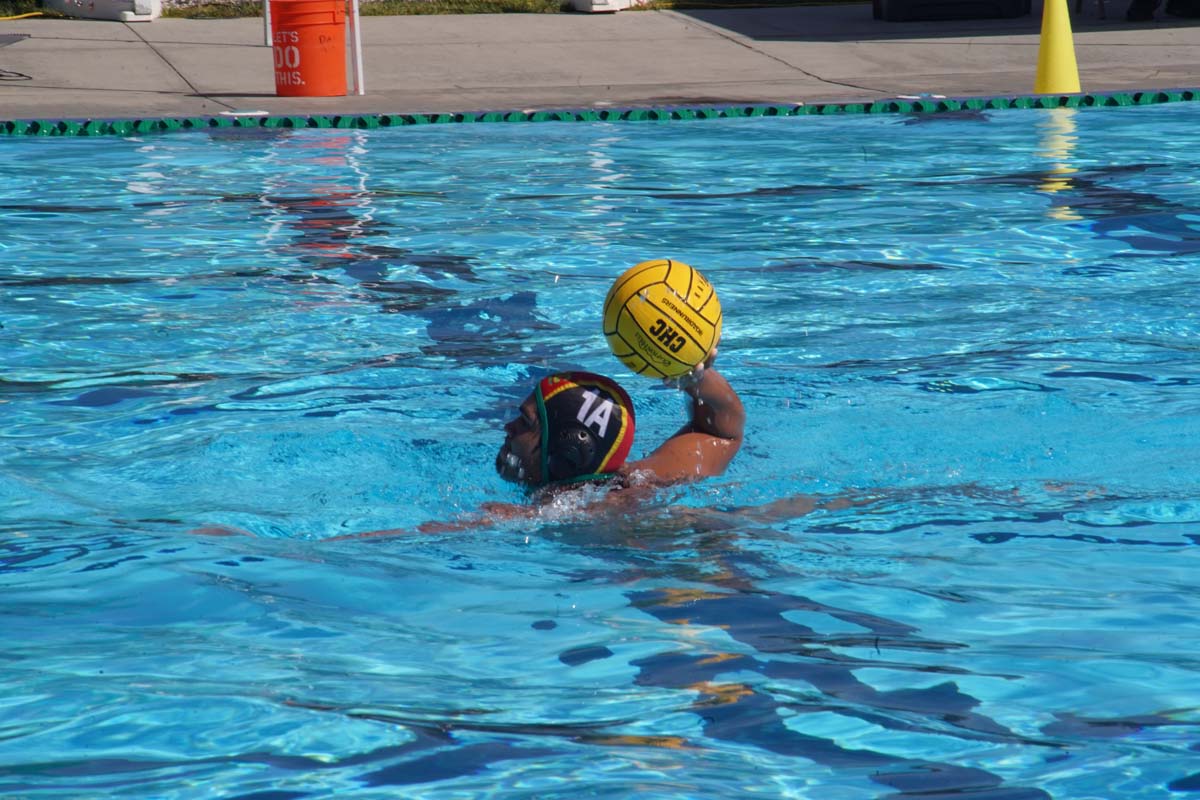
[219,530]
[716,408]
[492,513]
[705,445]
[787,508]
[799,505]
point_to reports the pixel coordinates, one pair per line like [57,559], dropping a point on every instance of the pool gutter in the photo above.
[926,104]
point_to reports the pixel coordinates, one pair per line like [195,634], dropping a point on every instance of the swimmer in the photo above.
[577,426]
[576,429]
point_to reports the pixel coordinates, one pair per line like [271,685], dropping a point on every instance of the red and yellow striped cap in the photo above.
[587,426]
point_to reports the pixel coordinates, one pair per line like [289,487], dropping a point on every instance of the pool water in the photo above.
[981,327]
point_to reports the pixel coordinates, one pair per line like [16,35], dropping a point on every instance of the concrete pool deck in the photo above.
[72,69]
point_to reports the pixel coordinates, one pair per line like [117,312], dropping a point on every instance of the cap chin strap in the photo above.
[545,421]
[595,476]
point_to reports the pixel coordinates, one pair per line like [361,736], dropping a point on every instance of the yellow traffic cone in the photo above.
[1057,72]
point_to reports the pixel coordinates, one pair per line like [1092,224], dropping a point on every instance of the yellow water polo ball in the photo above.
[661,318]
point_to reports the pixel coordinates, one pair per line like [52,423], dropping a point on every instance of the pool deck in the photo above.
[73,69]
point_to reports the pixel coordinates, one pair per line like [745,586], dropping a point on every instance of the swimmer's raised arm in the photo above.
[706,444]
[716,408]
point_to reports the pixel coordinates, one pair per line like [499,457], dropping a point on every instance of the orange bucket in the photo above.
[309,43]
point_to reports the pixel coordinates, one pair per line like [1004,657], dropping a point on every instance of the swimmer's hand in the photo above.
[219,530]
[691,379]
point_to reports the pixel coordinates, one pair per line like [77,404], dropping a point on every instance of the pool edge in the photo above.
[923,104]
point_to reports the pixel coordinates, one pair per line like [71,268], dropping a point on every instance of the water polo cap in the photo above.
[587,426]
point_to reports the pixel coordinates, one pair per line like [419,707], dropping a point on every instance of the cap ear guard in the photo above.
[571,453]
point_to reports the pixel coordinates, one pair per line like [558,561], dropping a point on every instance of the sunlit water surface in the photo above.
[982,327]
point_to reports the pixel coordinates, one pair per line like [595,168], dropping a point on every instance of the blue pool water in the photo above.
[982,326]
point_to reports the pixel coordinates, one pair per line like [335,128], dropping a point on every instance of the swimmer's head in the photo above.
[575,426]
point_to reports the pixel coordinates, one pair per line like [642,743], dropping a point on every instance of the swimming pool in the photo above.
[982,323]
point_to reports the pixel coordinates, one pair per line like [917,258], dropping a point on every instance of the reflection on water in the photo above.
[1057,145]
